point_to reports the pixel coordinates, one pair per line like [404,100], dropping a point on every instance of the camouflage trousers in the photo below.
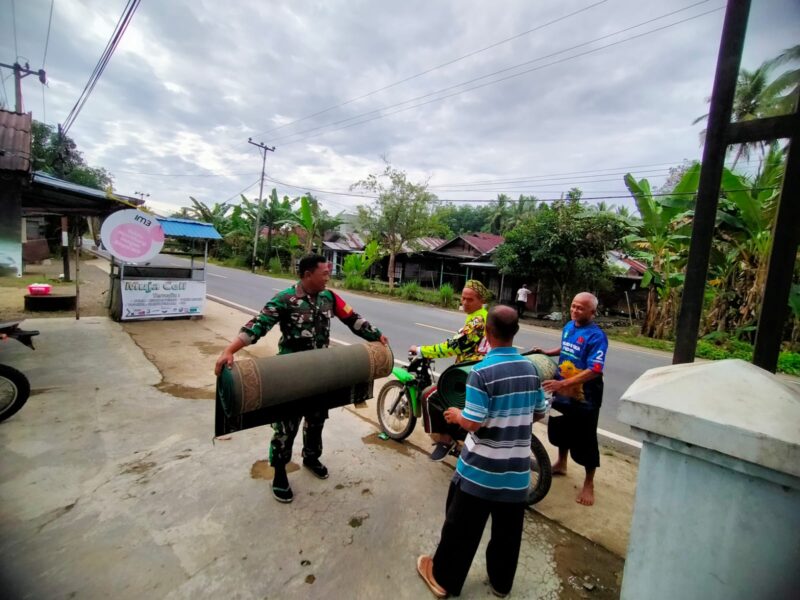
[284,432]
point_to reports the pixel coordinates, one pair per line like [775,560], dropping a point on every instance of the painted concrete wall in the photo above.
[704,530]
[717,509]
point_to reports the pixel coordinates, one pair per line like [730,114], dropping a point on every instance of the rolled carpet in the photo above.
[260,391]
[453,382]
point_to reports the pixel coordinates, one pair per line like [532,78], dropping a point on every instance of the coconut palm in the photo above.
[757,97]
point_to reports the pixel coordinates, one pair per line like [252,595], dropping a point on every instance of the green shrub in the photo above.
[275,265]
[356,282]
[411,291]
[446,295]
[789,362]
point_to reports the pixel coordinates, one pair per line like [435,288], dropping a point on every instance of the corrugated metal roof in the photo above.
[483,242]
[15,141]
[54,182]
[188,229]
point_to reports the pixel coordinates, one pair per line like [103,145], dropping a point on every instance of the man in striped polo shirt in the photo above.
[493,471]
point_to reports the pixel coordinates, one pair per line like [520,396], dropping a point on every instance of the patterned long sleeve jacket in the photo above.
[468,343]
[305,323]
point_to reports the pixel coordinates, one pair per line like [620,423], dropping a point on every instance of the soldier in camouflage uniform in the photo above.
[303,312]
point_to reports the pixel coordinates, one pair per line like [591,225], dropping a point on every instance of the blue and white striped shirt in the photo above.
[503,391]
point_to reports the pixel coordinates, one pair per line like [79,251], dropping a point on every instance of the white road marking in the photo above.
[215,275]
[620,438]
[233,304]
[603,432]
[433,327]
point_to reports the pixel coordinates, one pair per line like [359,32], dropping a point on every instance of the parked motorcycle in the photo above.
[399,407]
[14,386]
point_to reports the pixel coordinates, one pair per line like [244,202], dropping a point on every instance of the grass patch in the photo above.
[717,349]
[26,280]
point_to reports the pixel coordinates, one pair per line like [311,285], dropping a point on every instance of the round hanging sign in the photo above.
[132,235]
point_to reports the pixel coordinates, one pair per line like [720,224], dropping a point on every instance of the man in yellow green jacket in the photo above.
[469,344]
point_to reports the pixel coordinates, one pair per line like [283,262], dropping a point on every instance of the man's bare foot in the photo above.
[560,468]
[586,497]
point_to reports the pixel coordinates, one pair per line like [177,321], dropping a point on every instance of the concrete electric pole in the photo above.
[19,73]
[263,148]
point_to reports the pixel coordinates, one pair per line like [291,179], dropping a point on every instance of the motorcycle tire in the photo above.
[397,427]
[541,472]
[14,391]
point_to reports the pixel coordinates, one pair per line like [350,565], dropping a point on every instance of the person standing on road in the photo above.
[522,299]
[469,344]
[303,312]
[578,392]
[493,472]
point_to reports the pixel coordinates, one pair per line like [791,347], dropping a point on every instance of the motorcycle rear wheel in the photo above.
[14,391]
[541,472]
[394,411]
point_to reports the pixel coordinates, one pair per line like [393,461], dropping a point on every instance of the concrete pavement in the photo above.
[111,486]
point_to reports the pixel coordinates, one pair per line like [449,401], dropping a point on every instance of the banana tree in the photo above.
[745,232]
[662,240]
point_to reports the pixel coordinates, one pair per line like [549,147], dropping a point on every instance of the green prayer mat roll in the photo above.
[453,382]
[260,391]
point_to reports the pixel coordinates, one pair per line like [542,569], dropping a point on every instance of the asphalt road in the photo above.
[407,324]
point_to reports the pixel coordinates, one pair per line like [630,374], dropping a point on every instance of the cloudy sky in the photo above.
[580,102]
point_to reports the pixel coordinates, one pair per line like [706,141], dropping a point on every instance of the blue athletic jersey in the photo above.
[582,347]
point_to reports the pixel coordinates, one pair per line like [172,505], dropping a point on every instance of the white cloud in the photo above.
[192,80]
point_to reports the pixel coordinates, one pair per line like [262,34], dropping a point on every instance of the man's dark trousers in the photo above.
[461,535]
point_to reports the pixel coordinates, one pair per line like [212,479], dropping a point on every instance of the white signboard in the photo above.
[132,236]
[149,298]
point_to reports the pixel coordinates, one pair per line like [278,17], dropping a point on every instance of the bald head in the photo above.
[502,324]
[583,308]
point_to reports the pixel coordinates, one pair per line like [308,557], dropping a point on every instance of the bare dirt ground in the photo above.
[93,289]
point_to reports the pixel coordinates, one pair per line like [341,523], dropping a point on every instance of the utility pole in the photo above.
[19,73]
[263,148]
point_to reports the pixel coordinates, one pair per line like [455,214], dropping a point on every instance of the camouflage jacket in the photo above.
[468,344]
[305,324]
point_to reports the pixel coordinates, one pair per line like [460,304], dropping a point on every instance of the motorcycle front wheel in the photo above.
[541,472]
[14,391]
[394,411]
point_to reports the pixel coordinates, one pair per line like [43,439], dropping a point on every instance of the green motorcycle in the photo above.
[399,406]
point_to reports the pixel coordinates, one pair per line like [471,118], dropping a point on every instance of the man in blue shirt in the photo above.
[578,392]
[493,471]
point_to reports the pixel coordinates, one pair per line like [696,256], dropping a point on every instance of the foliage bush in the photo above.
[275,265]
[411,291]
[356,282]
[789,362]
[446,295]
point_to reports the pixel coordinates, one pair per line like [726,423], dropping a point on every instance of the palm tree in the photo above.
[756,97]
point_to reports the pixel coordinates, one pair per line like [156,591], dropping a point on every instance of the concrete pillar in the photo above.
[717,509]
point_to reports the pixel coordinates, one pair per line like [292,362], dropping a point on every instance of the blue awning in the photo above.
[186,228]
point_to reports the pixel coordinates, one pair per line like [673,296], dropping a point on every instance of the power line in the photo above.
[105,57]
[14,21]
[47,38]
[592,51]
[430,70]
[149,174]
[240,192]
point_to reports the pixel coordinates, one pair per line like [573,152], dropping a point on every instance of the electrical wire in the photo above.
[14,21]
[147,174]
[47,38]
[432,69]
[512,76]
[111,46]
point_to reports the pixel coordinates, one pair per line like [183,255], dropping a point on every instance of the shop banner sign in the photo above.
[132,236]
[150,298]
